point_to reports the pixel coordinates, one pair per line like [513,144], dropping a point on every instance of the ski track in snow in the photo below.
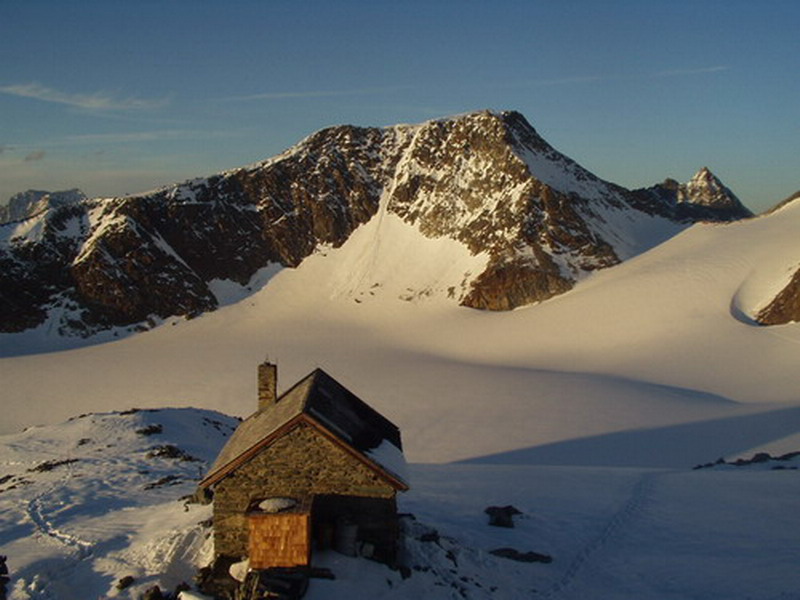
[35,510]
[78,548]
[635,505]
[36,514]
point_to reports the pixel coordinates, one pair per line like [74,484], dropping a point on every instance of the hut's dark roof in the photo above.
[331,405]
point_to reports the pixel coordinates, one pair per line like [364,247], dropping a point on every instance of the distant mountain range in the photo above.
[486,179]
[29,204]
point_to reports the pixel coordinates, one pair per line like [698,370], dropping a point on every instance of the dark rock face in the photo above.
[785,307]
[468,179]
[508,285]
[122,261]
[34,269]
[487,180]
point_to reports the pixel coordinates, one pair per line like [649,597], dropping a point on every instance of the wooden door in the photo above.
[280,540]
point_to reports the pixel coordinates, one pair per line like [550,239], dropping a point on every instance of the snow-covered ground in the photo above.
[87,502]
[586,412]
[612,533]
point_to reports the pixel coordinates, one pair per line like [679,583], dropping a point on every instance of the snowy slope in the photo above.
[89,501]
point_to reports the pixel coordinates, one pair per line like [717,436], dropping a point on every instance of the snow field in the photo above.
[74,530]
[612,533]
[87,502]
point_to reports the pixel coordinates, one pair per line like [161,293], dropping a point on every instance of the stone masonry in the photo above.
[299,464]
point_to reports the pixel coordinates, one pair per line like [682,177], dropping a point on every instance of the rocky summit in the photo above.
[703,198]
[485,179]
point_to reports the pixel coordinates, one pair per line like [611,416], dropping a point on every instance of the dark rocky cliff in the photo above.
[785,307]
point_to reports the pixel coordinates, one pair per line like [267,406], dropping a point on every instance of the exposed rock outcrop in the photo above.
[785,307]
[121,261]
[490,181]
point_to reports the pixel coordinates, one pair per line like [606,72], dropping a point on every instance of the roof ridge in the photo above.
[310,377]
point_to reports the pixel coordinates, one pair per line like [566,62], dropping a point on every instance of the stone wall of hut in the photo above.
[299,464]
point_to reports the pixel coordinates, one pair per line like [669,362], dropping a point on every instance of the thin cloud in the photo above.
[34,156]
[125,138]
[314,94]
[696,71]
[142,136]
[96,101]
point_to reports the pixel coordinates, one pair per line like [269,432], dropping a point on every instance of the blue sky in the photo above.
[120,97]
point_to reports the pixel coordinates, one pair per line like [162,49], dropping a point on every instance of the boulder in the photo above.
[528,557]
[502,516]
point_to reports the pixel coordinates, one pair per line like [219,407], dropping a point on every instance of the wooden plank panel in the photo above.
[280,540]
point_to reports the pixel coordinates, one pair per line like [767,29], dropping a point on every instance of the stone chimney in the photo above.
[267,384]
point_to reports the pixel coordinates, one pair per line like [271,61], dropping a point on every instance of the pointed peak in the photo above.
[705,175]
[704,179]
[706,190]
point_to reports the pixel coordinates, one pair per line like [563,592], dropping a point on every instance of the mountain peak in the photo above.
[704,173]
[705,189]
[705,179]
[486,180]
[703,198]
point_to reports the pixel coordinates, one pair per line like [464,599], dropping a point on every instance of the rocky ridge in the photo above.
[485,179]
[785,202]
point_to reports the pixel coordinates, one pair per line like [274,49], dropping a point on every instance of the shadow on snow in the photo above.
[673,446]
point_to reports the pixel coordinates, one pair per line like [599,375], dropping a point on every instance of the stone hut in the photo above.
[315,467]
